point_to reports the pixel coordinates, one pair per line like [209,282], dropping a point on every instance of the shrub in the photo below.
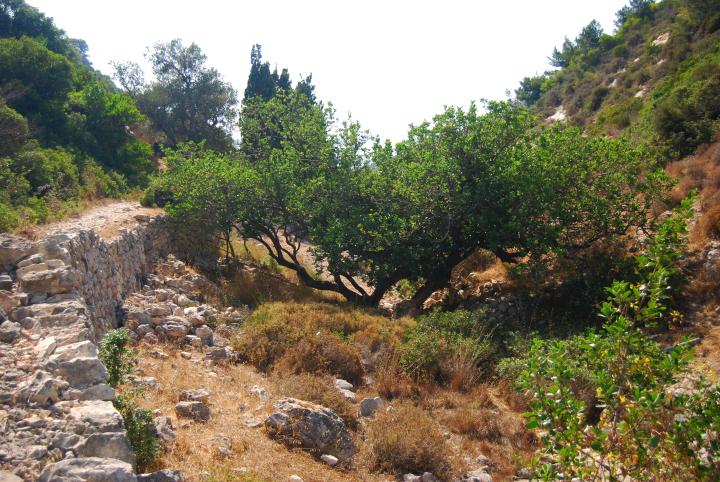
[117,357]
[323,353]
[406,439]
[315,338]
[449,347]
[639,428]
[140,430]
[319,390]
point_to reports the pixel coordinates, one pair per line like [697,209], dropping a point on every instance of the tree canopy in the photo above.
[373,215]
[187,101]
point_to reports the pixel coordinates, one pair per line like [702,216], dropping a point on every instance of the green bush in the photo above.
[632,425]
[140,430]
[448,347]
[118,358]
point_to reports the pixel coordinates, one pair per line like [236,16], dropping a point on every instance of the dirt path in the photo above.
[107,219]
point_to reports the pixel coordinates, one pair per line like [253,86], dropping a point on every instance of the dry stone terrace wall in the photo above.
[58,296]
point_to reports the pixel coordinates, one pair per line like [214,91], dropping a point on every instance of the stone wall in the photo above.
[58,296]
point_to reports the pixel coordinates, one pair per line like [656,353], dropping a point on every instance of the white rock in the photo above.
[331,460]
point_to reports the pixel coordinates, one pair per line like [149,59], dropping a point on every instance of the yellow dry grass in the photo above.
[253,456]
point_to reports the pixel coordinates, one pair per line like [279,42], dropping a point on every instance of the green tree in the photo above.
[469,180]
[261,83]
[187,101]
[36,82]
[100,121]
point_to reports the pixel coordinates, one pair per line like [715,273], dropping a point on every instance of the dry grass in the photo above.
[407,439]
[316,338]
[701,172]
[231,403]
[435,432]
[486,421]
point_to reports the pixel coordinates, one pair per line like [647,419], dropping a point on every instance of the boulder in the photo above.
[196,395]
[51,281]
[217,354]
[368,406]
[164,429]
[9,331]
[13,249]
[331,460]
[100,415]
[341,384]
[9,477]
[313,427]
[477,476]
[91,469]
[41,389]
[205,333]
[114,445]
[196,411]
[83,371]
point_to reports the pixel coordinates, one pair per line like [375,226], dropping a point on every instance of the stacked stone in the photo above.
[169,309]
[55,408]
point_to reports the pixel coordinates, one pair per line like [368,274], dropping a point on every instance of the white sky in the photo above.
[390,63]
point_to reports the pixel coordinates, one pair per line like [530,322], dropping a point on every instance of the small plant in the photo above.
[140,430]
[450,347]
[119,360]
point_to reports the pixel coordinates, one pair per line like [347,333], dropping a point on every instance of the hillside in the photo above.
[656,77]
[67,135]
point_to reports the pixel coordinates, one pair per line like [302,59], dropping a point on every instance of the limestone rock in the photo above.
[41,389]
[341,384]
[51,281]
[165,475]
[196,395]
[368,406]
[331,460]
[100,415]
[13,249]
[9,331]
[311,426]
[83,371]
[9,477]
[164,429]
[91,469]
[197,411]
[110,445]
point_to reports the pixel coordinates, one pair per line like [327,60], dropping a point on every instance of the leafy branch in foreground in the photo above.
[606,402]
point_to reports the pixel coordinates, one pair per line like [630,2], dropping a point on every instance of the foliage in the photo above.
[187,101]
[118,358]
[433,347]
[66,131]
[315,338]
[140,429]
[469,180]
[604,399]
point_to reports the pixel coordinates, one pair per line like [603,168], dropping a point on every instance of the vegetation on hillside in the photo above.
[66,133]
[657,73]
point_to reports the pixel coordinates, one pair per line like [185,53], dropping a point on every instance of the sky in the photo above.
[387,63]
